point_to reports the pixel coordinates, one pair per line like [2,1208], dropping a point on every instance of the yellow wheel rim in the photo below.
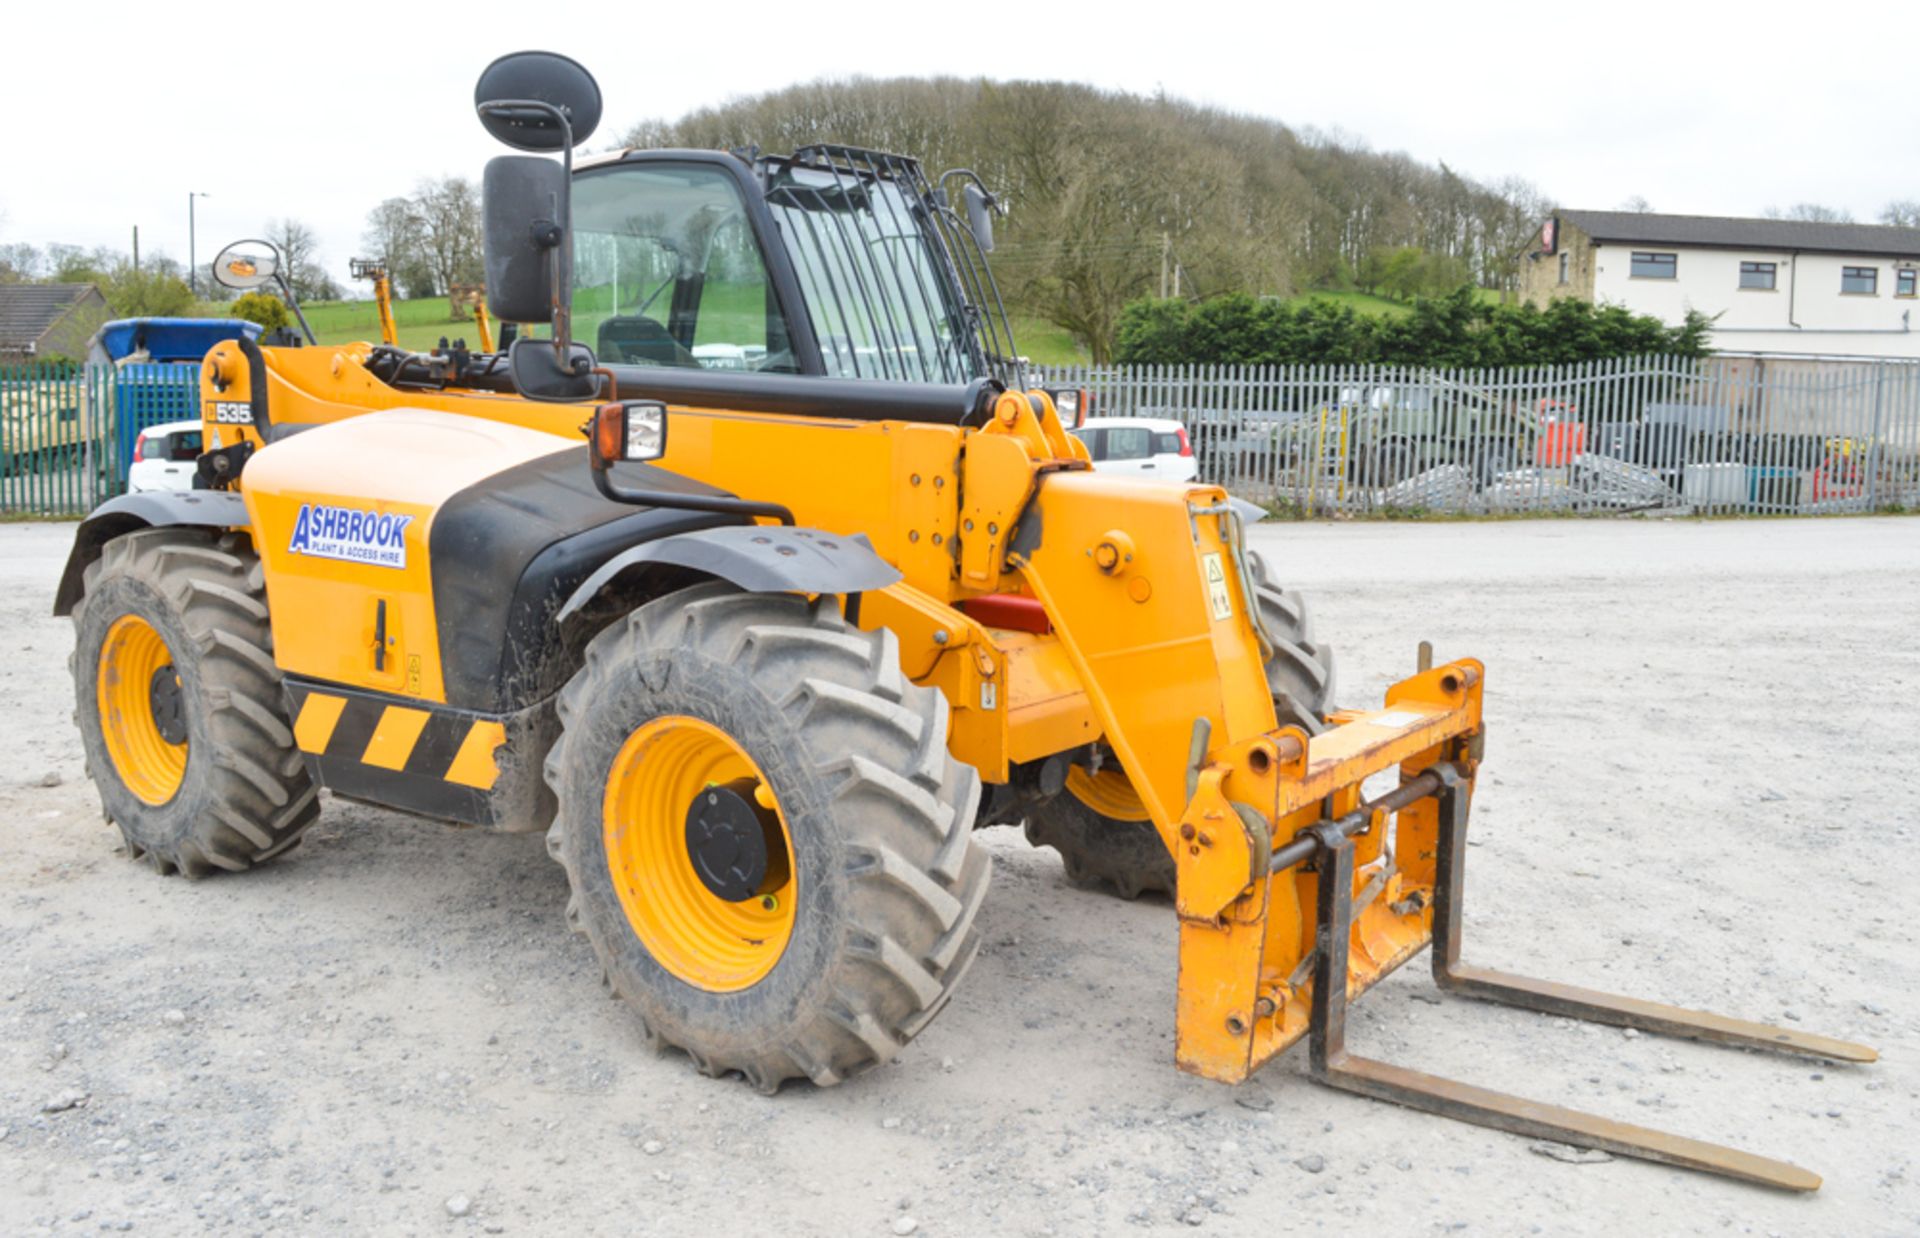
[132,661]
[1108,793]
[703,939]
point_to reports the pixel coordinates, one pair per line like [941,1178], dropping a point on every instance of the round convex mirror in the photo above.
[539,78]
[246,264]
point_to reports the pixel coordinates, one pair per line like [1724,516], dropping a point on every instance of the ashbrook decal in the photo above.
[351,534]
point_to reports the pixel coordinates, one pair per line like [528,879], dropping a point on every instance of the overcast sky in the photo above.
[116,112]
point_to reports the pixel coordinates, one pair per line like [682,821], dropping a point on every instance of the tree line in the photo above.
[155,284]
[1114,196]
[429,241]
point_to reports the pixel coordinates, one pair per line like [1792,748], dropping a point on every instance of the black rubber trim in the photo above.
[518,799]
[210,509]
[804,395]
[257,387]
[432,797]
[509,550]
[759,559]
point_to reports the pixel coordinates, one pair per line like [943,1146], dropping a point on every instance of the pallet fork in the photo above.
[1240,941]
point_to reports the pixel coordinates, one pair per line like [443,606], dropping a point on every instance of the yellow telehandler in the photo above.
[826,585]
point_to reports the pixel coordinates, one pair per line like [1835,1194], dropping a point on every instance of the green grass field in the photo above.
[422,322]
[1046,344]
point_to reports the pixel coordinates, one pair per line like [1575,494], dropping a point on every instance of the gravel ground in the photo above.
[1693,787]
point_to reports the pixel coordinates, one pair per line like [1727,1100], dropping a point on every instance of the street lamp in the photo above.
[193,262]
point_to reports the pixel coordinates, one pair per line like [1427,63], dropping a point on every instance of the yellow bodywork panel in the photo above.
[342,525]
[1155,643]
[894,481]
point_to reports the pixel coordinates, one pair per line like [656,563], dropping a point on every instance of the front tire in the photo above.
[825,967]
[179,703]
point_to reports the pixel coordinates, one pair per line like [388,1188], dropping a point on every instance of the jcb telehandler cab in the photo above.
[823,588]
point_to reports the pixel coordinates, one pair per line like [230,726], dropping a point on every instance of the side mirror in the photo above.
[522,197]
[1073,404]
[631,431]
[538,373]
[246,265]
[979,215]
[538,101]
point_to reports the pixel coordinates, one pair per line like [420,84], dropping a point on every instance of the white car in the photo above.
[1141,446]
[164,455]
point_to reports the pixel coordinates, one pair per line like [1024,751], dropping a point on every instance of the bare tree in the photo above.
[1638,205]
[449,219]
[396,237]
[1904,213]
[299,250]
[20,261]
[1810,212]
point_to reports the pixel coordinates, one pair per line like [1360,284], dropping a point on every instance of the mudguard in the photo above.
[757,558]
[149,509]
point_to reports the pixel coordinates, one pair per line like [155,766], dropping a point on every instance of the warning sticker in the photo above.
[1217,593]
[1395,718]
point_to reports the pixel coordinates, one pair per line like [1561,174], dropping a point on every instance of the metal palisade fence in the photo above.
[67,432]
[1727,434]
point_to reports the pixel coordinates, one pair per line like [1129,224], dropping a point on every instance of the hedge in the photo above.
[1458,330]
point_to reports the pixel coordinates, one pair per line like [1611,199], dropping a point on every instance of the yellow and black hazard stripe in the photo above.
[408,754]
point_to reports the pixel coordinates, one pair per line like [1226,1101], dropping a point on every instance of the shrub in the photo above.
[261,307]
[1457,330]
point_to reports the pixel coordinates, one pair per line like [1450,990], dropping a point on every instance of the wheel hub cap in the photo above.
[163,693]
[732,841]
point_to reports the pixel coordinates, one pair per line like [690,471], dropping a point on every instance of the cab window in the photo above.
[667,272]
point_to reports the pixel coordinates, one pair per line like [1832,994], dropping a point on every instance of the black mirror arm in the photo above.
[724,504]
[604,483]
[286,290]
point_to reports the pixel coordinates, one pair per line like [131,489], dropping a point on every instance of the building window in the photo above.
[1757,275]
[1862,280]
[1564,256]
[1904,282]
[1654,266]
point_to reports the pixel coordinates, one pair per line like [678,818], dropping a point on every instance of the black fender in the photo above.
[757,558]
[149,509]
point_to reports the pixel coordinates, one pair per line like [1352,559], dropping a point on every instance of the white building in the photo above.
[1769,285]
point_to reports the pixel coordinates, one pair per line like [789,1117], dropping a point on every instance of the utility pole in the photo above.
[1166,249]
[193,259]
[136,249]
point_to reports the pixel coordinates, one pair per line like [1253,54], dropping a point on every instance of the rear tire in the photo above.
[887,878]
[234,790]
[1126,857]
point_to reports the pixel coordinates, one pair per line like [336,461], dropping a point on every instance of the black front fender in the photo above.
[151,509]
[757,558]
